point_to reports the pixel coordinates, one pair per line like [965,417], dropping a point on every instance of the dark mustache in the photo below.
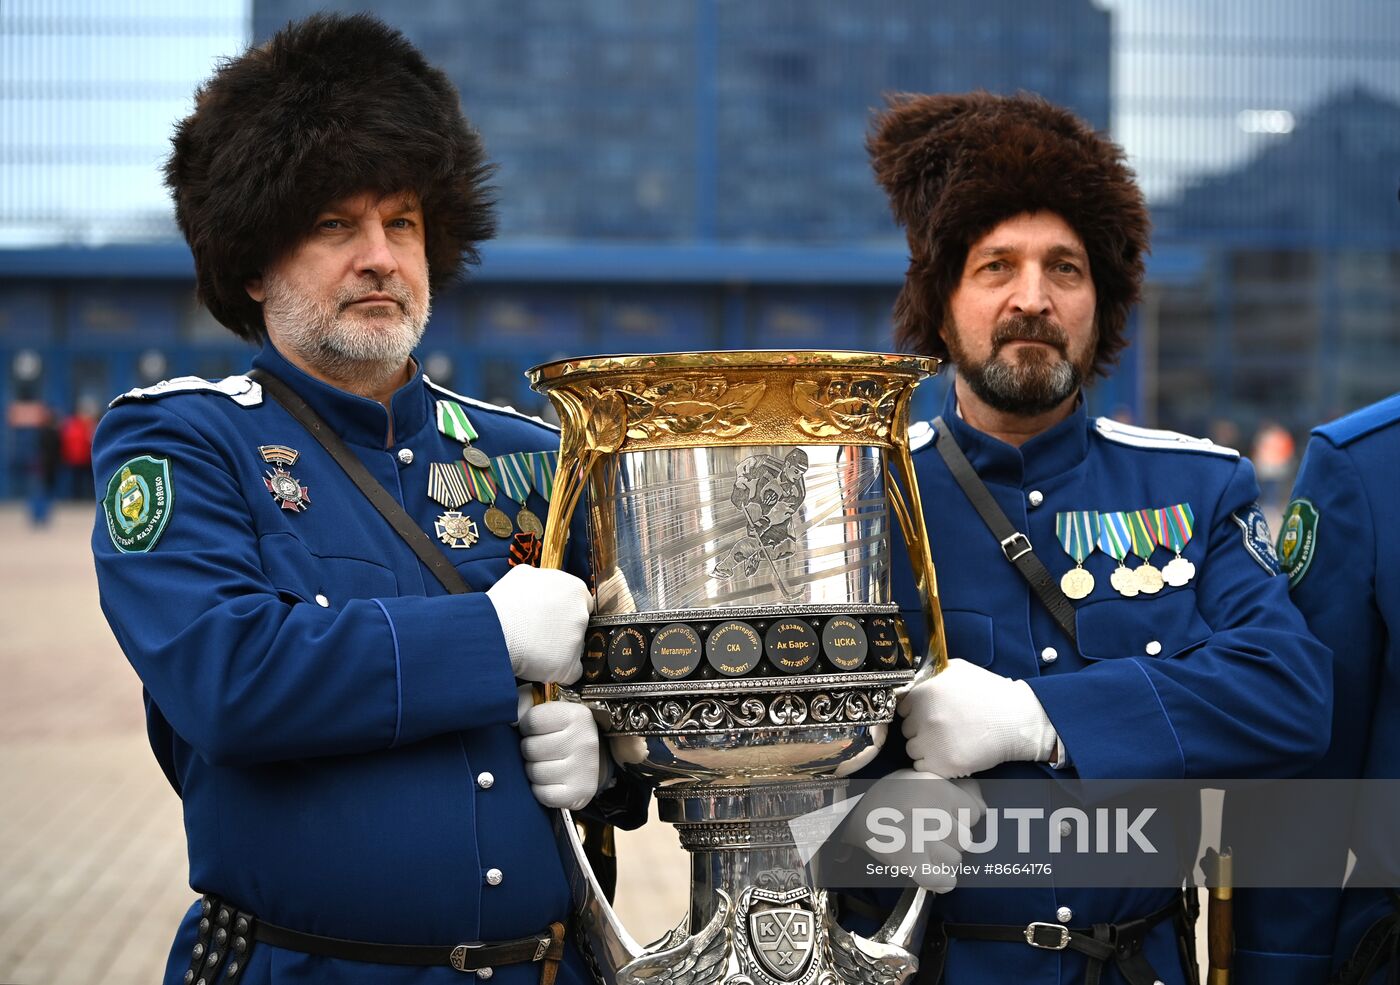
[1030,328]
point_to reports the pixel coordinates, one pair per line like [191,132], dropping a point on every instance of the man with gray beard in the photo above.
[1109,593]
[324,570]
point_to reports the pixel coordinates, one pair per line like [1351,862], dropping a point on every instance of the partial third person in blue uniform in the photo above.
[1161,644]
[332,701]
[1341,559]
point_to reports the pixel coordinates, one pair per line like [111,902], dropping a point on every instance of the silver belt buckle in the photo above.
[1060,945]
[460,954]
[1015,546]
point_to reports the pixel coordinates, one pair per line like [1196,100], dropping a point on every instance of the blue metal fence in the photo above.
[691,174]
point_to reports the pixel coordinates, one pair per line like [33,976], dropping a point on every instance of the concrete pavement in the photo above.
[92,851]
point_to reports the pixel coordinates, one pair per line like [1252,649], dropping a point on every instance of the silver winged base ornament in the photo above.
[755,917]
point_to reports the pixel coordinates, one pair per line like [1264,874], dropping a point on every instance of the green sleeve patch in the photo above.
[1297,540]
[138,502]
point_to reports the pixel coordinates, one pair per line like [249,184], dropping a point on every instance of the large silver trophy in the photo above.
[745,653]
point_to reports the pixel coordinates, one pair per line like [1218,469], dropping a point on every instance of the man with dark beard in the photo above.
[1110,596]
[288,557]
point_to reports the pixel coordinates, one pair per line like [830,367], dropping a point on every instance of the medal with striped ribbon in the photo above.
[1147,577]
[1174,525]
[1114,540]
[449,484]
[1076,533]
[512,474]
[452,421]
[542,468]
[482,484]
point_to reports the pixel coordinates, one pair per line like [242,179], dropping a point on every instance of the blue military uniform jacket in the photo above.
[1218,678]
[1338,545]
[338,727]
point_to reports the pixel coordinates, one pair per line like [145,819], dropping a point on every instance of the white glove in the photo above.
[896,836]
[562,755]
[543,614]
[967,719]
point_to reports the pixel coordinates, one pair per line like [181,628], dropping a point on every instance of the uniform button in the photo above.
[323,602]
[1064,914]
[485,780]
[231,970]
[221,936]
[198,951]
[405,456]
[189,977]
[1035,498]
[1153,648]
[494,876]
[484,973]
[1065,829]
[1049,655]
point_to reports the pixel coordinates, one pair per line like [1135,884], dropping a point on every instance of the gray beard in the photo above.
[347,348]
[1035,382]
[1024,390]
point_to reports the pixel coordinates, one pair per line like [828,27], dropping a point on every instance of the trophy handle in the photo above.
[904,927]
[910,514]
[605,941]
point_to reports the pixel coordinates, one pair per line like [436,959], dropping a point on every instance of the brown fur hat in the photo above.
[954,166]
[329,107]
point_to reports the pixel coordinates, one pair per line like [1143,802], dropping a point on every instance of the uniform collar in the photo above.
[356,419]
[1047,454]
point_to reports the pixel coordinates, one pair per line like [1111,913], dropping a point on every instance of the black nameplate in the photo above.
[675,651]
[595,656]
[884,642]
[626,653]
[844,642]
[792,645]
[734,648]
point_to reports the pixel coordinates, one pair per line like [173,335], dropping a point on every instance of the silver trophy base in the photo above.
[737,760]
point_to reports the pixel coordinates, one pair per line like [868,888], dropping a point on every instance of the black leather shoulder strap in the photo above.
[1014,544]
[387,506]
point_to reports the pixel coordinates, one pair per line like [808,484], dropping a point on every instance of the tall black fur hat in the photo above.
[955,166]
[330,106]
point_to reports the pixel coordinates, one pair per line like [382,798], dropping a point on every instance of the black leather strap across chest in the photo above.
[1015,545]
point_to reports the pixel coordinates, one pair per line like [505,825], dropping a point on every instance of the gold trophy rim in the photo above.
[542,376]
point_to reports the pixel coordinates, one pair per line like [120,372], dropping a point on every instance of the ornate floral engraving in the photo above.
[830,407]
[712,406]
[785,709]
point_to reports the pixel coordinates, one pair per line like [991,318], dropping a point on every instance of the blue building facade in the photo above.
[671,176]
[692,175]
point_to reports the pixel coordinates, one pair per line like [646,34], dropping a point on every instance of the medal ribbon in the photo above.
[1175,524]
[1143,544]
[1076,532]
[1113,535]
[446,484]
[452,421]
[512,474]
[542,467]
[479,483]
